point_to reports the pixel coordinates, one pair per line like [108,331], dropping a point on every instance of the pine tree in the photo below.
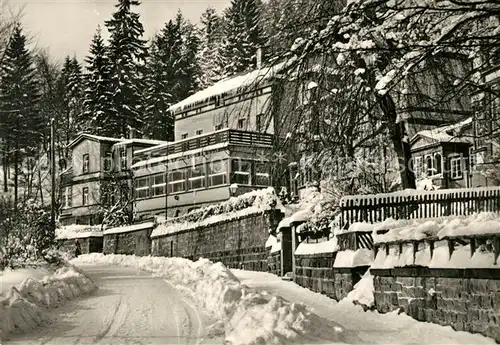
[210,41]
[71,99]
[243,37]
[20,124]
[127,53]
[160,75]
[97,107]
[189,69]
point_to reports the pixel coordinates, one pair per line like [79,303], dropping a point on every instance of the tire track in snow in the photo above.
[119,315]
[194,318]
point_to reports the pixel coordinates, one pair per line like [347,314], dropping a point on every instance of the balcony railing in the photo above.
[233,137]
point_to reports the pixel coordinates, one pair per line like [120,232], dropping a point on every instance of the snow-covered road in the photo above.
[130,307]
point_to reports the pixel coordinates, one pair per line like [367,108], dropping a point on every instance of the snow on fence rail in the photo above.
[410,204]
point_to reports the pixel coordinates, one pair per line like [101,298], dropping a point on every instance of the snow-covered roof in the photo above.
[447,134]
[228,85]
[129,228]
[141,141]
[82,136]
[156,160]
[116,141]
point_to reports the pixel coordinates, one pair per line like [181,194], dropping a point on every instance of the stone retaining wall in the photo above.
[465,299]
[274,263]
[237,243]
[316,272]
[87,245]
[128,243]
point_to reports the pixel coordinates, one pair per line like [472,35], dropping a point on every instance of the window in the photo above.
[142,187]
[197,177]
[240,171]
[159,184]
[472,159]
[429,165]
[176,181]
[262,177]
[417,166]
[218,127]
[438,161]
[456,167]
[217,173]
[258,123]
[241,123]
[85,196]
[199,132]
[68,197]
[86,163]
[184,136]
[123,159]
[108,162]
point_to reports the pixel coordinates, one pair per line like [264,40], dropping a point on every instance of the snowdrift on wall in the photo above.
[254,202]
[23,307]
[247,316]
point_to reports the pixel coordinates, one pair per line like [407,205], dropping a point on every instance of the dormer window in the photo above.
[184,136]
[86,163]
[199,132]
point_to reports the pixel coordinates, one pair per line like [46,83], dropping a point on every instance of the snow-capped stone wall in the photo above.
[129,240]
[237,243]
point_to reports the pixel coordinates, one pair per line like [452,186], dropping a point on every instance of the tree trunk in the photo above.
[401,146]
[5,167]
[16,177]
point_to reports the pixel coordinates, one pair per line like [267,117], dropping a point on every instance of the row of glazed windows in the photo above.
[202,176]
[108,161]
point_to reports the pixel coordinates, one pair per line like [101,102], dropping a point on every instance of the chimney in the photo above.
[132,133]
[259,58]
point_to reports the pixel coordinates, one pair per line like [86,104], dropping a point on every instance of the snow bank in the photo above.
[362,292]
[248,316]
[354,258]
[255,202]
[75,231]
[23,307]
[329,246]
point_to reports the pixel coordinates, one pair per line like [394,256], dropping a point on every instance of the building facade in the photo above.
[223,142]
[443,155]
[94,161]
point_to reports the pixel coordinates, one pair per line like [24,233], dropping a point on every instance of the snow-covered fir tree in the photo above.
[211,31]
[127,53]
[189,69]
[161,81]
[286,20]
[21,128]
[71,97]
[243,37]
[97,106]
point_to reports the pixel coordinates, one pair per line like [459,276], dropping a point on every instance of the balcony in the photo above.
[230,136]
